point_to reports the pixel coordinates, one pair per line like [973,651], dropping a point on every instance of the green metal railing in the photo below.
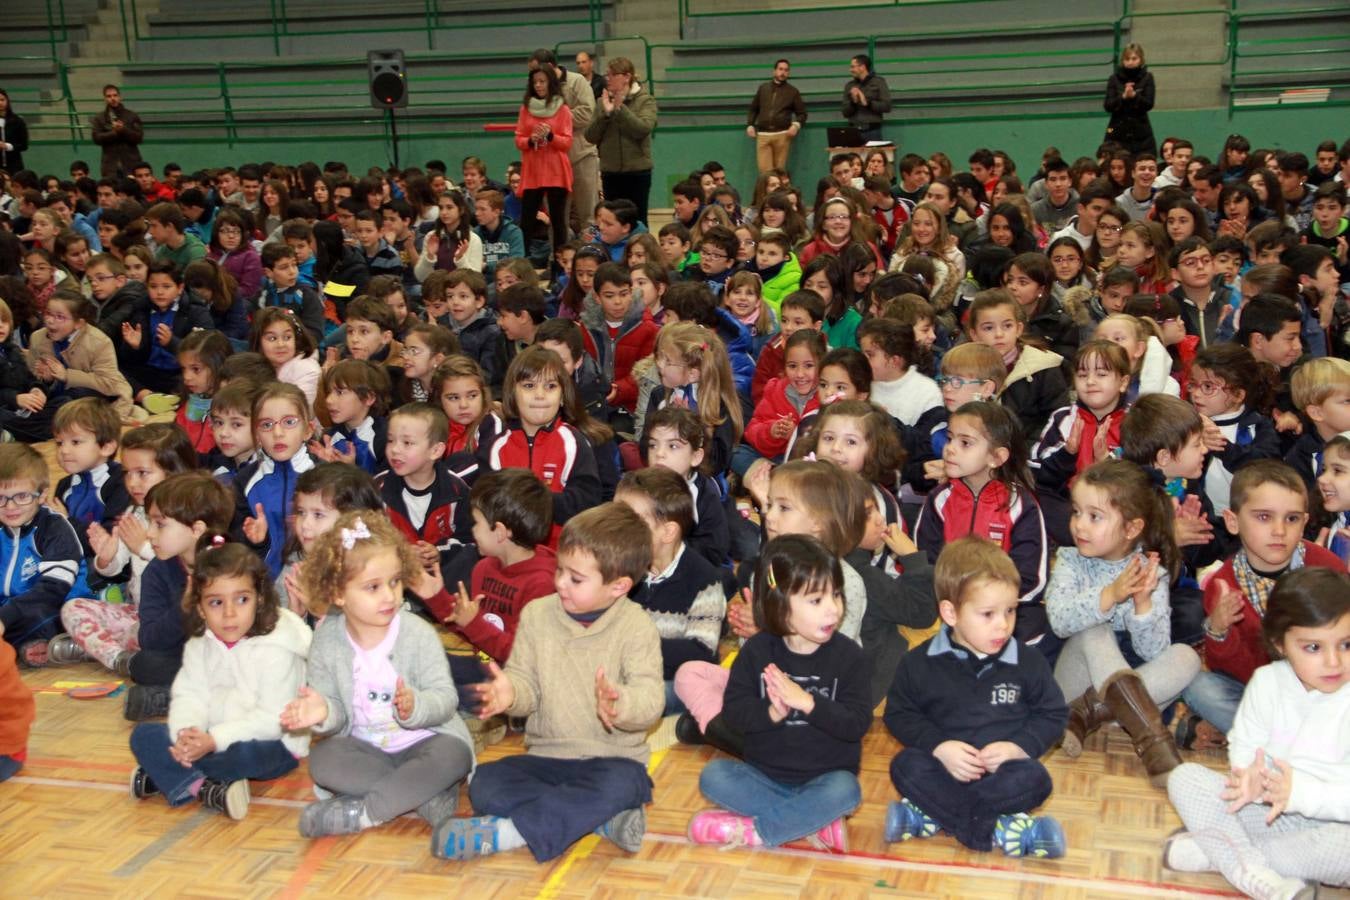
[58,29]
[1281,48]
[279,25]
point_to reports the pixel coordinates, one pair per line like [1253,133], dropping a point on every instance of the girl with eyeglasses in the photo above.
[264,488]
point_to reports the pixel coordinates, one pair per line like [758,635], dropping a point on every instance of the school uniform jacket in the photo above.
[462,450]
[367,439]
[711,535]
[479,339]
[186,315]
[98,495]
[1006,516]
[1052,465]
[1251,435]
[562,458]
[718,447]
[41,566]
[772,406]
[1035,388]
[271,483]
[634,340]
[448,524]
[924,441]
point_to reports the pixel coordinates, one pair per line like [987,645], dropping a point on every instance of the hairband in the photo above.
[357,532]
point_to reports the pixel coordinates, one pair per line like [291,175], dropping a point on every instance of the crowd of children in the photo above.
[1096,436]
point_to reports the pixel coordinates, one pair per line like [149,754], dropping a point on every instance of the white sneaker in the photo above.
[1262,883]
[1181,853]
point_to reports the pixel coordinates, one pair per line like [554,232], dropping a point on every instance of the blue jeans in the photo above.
[673,702]
[1214,697]
[782,812]
[257,760]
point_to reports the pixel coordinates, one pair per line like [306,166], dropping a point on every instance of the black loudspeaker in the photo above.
[388,79]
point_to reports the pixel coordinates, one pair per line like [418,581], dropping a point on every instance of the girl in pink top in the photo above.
[544,136]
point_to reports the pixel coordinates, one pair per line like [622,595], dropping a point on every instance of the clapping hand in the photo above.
[131,335]
[783,690]
[255,526]
[495,695]
[1228,608]
[404,700]
[741,617]
[163,334]
[102,542]
[606,699]
[305,711]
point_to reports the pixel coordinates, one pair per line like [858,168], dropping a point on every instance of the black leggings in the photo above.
[555,198]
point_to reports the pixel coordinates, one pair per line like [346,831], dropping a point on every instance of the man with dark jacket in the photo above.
[771,118]
[867,98]
[119,132]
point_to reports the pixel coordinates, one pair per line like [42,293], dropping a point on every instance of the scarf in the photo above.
[198,407]
[750,320]
[1255,586]
[544,109]
[1090,428]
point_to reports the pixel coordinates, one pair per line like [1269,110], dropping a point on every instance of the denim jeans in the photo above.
[1214,696]
[782,812]
[257,760]
[967,810]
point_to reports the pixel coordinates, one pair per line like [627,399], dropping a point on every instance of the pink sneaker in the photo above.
[726,829]
[833,837]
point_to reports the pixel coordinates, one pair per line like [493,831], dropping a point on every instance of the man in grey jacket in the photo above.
[577,94]
[867,98]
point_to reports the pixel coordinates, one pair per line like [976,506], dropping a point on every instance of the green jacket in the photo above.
[624,137]
[788,279]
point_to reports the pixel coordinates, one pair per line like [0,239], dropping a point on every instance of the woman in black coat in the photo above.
[1129,97]
[13,136]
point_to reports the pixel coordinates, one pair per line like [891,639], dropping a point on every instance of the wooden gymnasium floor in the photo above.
[68,828]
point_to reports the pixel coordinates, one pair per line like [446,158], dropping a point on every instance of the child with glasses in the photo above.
[265,487]
[45,558]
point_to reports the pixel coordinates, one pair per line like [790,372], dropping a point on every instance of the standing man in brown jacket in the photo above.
[777,113]
[119,132]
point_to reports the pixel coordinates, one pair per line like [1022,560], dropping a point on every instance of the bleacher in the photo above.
[1284,45]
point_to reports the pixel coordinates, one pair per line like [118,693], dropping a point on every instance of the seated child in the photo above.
[45,559]
[1270,507]
[474,324]
[282,288]
[621,332]
[425,347]
[264,487]
[800,309]
[784,403]
[378,687]
[1035,385]
[520,311]
[512,513]
[1118,285]
[564,338]
[356,393]
[584,769]
[288,348]
[232,428]
[380,258]
[1233,394]
[148,344]
[677,247]
[200,356]
[798,691]
[898,383]
[461,391]
[777,266]
[674,438]
[1150,363]
[1272,825]
[685,594]
[105,629]
[17,711]
[180,510]
[717,251]
[975,774]
[969,372]
[370,336]
[243,661]
[425,499]
[88,433]
[1334,484]
[1320,390]
[1270,328]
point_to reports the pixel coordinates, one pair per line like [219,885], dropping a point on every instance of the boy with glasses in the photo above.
[1203,297]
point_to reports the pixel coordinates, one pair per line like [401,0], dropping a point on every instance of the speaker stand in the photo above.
[393,133]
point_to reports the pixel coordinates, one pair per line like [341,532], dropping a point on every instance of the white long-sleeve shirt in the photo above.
[1309,730]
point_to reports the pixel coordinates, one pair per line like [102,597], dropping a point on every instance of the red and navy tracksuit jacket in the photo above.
[562,458]
[461,450]
[1007,516]
[447,525]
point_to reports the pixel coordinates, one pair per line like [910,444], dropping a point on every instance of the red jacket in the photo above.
[814,248]
[769,367]
[1009,518]
[890,223]
[1244,649]
[17,708]
[546,165]
[562,458]
[505,591]
[635,340]
[200,433]
[772,406]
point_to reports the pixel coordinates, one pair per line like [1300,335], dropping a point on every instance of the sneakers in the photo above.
[62,651]
[122,663]
[1267,884]
[1019,834]
[833,837]
[465,838]
[230,799]
[340,815]
[144,702]
[438,807]
[904,820]
[724,829]
[34,654]
[141,785]
[626,829]
[1182,854]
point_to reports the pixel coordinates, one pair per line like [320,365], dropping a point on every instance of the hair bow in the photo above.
[218,541]
[810,457]
[357,532]
[769,579]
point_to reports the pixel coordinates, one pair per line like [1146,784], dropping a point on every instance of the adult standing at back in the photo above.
[577,94]
[1129,97]
[622,132]
[867,98]
[586,67]
[544,138]
[13,136]
[771,120]
[119,132]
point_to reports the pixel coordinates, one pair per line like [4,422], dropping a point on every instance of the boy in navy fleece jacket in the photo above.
[975,711]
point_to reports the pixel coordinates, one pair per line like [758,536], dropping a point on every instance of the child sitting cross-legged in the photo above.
[799,693]
[355,393]
[378,686]
[1268,514]
[972,731]
[685,594]
[1334,485]
[674,438]
[245,658]
[585,736]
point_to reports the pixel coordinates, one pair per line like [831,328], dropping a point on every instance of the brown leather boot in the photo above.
[1086,715]
[1136,712]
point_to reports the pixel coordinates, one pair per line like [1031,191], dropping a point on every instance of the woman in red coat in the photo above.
[544,135]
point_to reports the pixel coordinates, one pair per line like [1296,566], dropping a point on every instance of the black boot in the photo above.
[230,799]
[687,730]
[725,738]
[146,701]
[141,785]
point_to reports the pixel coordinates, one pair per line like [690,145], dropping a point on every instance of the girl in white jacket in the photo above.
[244,660]
[1280,821]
